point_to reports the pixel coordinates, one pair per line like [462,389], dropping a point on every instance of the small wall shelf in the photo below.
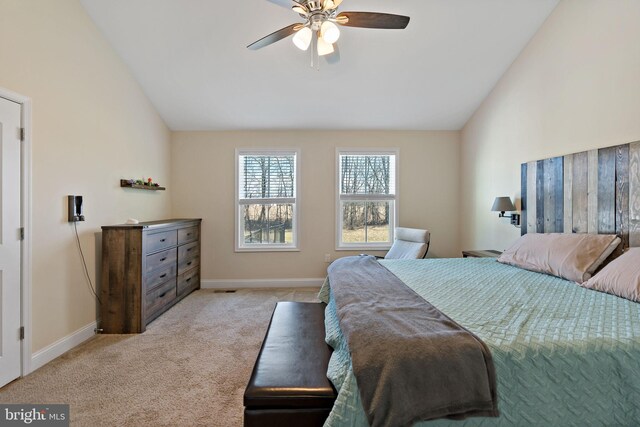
[125,183]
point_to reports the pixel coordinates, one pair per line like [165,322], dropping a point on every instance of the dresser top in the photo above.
[154,224]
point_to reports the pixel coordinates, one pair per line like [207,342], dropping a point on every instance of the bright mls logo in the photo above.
[34,415]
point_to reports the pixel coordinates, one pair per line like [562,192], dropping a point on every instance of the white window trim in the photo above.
[294,246]
[340,246]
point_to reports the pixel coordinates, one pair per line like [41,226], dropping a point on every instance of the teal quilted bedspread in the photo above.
[564,355]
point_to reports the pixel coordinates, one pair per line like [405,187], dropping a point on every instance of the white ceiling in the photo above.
[191,60]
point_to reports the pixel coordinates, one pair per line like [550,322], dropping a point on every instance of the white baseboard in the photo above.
[64,344]
[260,283]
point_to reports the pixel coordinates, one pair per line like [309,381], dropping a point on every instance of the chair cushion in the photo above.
[406,250]
[413,235]
[410,243]
[291,369]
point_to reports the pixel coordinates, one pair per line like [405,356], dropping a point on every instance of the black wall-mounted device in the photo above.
[75,209]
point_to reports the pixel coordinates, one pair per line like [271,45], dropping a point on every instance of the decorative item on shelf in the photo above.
[141,184]
[504,204]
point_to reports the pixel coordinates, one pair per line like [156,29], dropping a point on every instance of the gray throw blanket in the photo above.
[411,362]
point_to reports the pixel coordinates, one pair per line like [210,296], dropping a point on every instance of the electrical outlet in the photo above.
[327,258]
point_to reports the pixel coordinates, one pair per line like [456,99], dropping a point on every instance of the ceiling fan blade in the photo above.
[331,4]
[373,20]
[275,36]
[334,57]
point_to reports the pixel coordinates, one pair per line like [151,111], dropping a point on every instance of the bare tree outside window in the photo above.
[267,196]
[367,197]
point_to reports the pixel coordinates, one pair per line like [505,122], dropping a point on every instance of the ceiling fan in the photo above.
[320,30]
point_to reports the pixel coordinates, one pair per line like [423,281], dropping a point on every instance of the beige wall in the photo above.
[92,125]
[203,180]
[576,86]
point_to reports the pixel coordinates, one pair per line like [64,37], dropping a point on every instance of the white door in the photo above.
[10,241]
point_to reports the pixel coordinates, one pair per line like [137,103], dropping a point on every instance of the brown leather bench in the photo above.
[289,385]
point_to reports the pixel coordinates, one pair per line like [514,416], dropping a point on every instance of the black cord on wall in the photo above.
[84,264]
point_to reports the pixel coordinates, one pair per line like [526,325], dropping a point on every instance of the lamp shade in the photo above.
[302,39]
[503,204]
[330,32]
[324,48]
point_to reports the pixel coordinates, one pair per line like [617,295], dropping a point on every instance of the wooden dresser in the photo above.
[146,269]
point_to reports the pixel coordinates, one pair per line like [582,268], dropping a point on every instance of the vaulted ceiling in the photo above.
[190,58]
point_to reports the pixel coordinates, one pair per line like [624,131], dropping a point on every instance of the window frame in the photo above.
[240,246]
[340,245]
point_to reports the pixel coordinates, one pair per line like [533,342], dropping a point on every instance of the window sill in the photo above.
[363,248]
[268,249]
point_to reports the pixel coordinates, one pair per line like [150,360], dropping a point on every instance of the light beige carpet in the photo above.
[188,369]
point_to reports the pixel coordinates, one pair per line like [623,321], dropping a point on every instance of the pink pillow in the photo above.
[570,256]
[620,277]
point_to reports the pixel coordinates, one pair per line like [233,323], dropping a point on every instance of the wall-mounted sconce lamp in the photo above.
[504,204]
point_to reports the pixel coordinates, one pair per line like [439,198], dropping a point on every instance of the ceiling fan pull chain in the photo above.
[313,51]
[315,58]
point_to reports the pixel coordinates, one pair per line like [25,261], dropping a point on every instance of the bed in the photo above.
[563,355]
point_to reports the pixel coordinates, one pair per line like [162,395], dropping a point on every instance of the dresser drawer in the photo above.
[186,235]
[159,241]
[188,281]
[188,264]
[188,251]
[158,298]
[162,259]
[158,277]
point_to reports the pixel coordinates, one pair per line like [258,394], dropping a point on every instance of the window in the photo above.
[266,192]
[367,198]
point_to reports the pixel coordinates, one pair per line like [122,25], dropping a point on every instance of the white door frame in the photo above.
[26,218]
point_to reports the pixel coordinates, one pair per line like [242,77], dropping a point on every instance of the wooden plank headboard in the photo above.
[596,191]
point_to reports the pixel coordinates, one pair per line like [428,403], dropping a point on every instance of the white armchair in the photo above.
[410,243]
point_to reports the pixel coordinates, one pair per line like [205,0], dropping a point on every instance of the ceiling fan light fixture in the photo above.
[324,48]
[319,30]
[302,39]
[330,32]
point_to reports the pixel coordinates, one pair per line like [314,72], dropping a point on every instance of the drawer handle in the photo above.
[163,294]
[163,240]
[162,276]
[190,262]
[189,250]
[188,234]
[163,259]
